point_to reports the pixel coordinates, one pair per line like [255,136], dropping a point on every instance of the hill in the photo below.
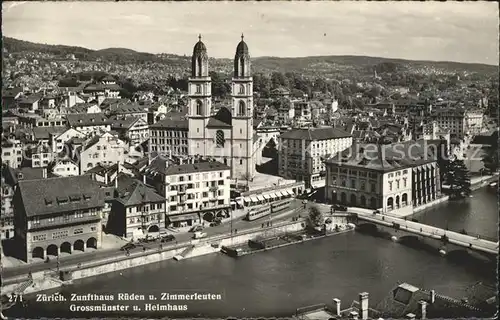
[313,65]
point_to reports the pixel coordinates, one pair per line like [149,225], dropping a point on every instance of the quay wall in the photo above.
[47,280]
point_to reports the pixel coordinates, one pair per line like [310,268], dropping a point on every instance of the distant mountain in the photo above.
[314,65]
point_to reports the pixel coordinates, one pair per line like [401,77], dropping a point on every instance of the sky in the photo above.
[439,31]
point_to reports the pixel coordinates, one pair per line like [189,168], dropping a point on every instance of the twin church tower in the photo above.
[226,135]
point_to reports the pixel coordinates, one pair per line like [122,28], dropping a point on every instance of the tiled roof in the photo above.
[173,120]
[87,119]
[223,119]
[315,134]
[43,133]
[159,165]
[127,108]
[126,123]
[57,195]
[386,157]
[133,192]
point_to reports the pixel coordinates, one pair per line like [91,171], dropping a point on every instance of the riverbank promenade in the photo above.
[463,240]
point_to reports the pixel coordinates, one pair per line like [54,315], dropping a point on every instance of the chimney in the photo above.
[336,304]
[363,302]
[353,315]
[433,296]
[410,316]
[44,173]
[422,309]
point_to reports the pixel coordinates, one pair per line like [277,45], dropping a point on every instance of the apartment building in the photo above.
[133,129]
[56,216]
[104,149]
[170,135]
[137,211]
[452,119]
[59,141]
[390,178]
[474,122]
[301,153]
[12,152]
[195,190]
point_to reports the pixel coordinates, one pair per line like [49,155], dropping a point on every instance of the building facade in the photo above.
[194,191]
[301,153]
[57,215]
[390,178]
[170,135]
[228,135]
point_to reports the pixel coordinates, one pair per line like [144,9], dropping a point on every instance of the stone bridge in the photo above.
[446,241]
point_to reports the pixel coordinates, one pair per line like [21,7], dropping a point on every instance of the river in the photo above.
[276,282]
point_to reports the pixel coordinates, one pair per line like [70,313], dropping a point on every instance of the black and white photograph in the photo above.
[307,160]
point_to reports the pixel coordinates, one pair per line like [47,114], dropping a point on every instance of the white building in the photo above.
[474,121]
[12,152]
[64,167]
[104,149]
[194,191]
[302,151]
[59,142]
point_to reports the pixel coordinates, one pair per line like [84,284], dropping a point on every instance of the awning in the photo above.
[183,217]
[266,196]
[261,198]
[240,201]
[280,193]
[247,199]
[273,195]
[254,199]
[290,192]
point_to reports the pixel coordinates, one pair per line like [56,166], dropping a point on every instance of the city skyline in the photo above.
[461,32]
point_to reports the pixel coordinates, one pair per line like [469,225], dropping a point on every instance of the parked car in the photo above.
[199,235]
[128,246]
[216,222]
[376,212]
[196,228]
[337,207]
[168,238]
[148,239]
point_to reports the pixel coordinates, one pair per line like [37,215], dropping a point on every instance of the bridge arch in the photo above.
[38,252]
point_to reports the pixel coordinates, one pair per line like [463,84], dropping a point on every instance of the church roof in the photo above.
[199,47]
[222,119]
[242,48]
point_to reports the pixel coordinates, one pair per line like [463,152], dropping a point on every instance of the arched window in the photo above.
[242,89]
[241,108]
[199,108]
[198,88]
[219,139]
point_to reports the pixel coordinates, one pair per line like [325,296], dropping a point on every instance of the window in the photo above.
[199,108]
[60,234]
[93,228]
[242,89]
[78,231]
[241,161]
[198,88]
[219,139]
[390,185]
[241,108]
[40,237]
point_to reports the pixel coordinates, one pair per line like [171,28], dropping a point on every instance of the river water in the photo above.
[277,282]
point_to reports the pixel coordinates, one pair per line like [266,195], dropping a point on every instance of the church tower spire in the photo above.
[242,113]
[199,100]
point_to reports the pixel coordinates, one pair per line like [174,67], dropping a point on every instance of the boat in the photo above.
[493,184]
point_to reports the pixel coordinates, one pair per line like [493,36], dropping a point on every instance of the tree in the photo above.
[490,158]
[457,176]
[315,218]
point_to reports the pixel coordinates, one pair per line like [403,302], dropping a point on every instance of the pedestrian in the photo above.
[144,249]
[235,230]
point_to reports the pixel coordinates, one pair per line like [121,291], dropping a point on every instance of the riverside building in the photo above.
[57,215]
[194,189]
[302,151]
[390,178]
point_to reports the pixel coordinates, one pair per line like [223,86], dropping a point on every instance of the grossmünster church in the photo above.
[227,136]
